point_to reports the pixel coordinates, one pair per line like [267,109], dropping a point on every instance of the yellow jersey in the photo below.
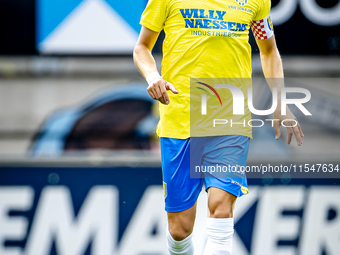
[205,39]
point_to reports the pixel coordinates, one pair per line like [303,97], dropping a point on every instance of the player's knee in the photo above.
[179,232]
[179,235]
[220,210]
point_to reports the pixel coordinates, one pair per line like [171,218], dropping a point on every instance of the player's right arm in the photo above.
[146,65]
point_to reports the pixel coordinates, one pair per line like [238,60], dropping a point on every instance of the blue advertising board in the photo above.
[120,210]
[88,26]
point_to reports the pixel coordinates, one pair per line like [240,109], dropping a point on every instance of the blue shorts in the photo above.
[188,164]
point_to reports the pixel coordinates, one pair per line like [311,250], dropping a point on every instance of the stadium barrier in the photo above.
[114,205]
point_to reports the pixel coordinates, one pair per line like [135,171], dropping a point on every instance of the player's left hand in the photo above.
[289,119]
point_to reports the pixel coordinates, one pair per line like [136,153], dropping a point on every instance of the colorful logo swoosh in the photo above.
[212,89]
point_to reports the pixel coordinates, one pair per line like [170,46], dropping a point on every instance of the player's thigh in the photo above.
[180,191]
[225,156]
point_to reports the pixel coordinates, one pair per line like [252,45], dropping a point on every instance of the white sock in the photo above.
[220,235]
[184,247]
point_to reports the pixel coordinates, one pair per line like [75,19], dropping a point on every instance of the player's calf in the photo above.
[220,223]
[220,236]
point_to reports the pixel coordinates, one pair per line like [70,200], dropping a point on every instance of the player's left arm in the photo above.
[273,72]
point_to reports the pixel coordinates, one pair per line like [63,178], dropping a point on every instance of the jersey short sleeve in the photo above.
[262,26]
[154,15]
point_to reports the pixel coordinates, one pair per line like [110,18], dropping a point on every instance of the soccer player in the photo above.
[204,39]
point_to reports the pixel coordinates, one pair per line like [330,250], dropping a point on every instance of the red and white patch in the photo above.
[262,29]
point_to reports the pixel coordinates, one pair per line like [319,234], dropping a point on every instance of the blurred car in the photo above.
[118,118]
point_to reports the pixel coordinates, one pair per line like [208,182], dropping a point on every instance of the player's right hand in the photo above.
[158,90]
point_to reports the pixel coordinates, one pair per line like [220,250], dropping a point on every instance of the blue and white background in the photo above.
[86,201]
[120,211]
[88,26]
[112,27]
